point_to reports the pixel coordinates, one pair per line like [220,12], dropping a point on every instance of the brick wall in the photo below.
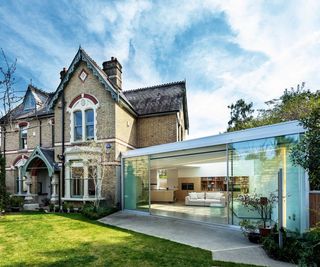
[126,126]
[105,112]
[157,130]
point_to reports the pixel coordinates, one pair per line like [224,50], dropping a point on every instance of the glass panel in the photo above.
[30,102]
[89,124]
[190,184]
[78,125]
[136,183]
[77,181]
[23,137]
[254,167]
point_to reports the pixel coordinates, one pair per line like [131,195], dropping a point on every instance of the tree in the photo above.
[307,152]
[3,194]
[241,115]
[8,94]
[98,155]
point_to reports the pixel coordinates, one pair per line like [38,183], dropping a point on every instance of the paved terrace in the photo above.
[226,244]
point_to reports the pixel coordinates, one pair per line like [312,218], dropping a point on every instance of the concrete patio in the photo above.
[226,244]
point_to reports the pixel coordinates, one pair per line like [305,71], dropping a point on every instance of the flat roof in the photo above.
[279,129]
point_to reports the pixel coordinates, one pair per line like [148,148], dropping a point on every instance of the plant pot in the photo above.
[264,232]
[254,237]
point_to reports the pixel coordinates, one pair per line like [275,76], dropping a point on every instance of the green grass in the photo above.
[35,239]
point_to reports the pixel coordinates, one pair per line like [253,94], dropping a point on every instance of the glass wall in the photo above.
[206,184]
[136,183]
[253,169]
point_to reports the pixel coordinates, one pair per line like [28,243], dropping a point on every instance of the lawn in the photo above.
[37,239]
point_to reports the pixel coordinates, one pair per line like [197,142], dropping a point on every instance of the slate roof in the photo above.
[44,97]
[49,154]
[164,98]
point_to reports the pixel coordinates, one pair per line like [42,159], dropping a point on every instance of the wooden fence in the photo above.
[314,204]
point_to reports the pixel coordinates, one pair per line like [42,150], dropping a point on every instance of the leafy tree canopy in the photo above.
[294,104]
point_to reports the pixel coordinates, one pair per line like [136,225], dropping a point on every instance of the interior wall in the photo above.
[181,194]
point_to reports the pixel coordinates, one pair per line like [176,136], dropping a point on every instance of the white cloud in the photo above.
[139,32]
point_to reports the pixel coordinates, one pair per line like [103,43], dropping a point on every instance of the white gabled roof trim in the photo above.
[279,129]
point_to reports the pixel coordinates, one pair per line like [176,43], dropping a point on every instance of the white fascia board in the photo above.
[279,129]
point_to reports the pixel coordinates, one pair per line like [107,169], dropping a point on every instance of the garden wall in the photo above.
[314,203]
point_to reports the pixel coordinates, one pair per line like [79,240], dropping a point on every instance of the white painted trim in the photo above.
[19,151]
[82,105]
[280,129]
[116,140]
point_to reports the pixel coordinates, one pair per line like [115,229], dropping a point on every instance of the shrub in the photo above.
[46,201]
[304,250]
[65,207]
[51,207]
[94,213]
[16,202]
[4,202]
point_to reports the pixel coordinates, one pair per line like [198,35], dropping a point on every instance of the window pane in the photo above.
[90,132]
[30,102]
[89,124]
[78,125]
[77,181]
[89,116]
[78,118]
[78,133]
[23,137]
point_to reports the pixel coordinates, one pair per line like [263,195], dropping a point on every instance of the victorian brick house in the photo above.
[48,144]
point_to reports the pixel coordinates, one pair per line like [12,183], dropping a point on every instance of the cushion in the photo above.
[193,195]
[200,195]
[213,195]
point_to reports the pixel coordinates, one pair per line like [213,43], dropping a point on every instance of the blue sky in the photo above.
[225,50]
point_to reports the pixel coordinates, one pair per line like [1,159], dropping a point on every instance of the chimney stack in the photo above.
[63,73]
[114,71]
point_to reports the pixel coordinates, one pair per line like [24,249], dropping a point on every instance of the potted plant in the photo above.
[262,205]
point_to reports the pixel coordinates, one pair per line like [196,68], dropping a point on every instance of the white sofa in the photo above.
[205,199]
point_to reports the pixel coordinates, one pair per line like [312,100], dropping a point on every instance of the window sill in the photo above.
[23,150]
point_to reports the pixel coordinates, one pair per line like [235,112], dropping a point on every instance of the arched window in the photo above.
[83,113]
[77,118]
[89,124]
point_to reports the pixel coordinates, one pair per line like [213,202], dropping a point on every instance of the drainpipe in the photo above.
[61,185]
[40,133]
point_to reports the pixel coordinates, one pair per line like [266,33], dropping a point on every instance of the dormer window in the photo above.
[83,112]
[30,102]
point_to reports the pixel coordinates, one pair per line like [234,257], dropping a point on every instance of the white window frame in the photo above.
[82,105]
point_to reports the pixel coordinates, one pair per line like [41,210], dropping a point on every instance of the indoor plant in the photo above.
[262,205]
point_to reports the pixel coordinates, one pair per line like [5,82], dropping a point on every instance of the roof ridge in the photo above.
[154,86]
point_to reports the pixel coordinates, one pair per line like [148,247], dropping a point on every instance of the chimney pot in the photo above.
[63,73]
[113,69]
